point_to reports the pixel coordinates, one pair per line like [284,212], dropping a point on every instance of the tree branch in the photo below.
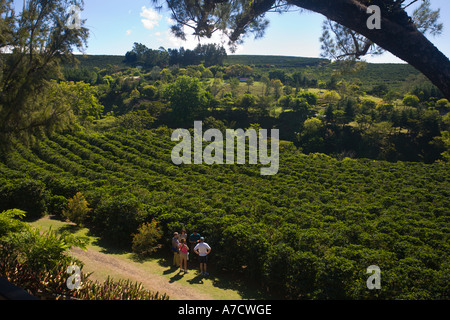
[398,36]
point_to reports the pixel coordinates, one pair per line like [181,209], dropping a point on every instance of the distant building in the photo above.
[135,78]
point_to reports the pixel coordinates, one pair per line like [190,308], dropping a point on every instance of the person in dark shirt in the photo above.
[193,240]
[175,249]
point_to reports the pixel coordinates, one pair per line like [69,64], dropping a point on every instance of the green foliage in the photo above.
[310,97]
[248,101]
[10,221]
[445,139]
[116,290]
[77,209]
[28,103]
[142,56]
[136,120]
[276,85]
[145,241]
[443,105]
[43,250]
[411,100]
[56,205]
[37,261]
[33,259]
[187,98]
[117,217]
[26,194]
[83,74]
[308,232]
[82,97]
[332,97]
[238,70]
[312,125]
[207,54]
[149,91]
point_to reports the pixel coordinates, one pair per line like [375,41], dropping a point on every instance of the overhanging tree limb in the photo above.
[398,34]
[400,38]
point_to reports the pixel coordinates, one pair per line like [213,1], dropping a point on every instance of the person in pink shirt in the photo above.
[184,250]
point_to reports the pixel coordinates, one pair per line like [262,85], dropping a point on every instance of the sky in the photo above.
[116,24]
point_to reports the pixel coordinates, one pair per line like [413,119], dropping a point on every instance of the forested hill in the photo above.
[274,61]
[102,61]
[393,75]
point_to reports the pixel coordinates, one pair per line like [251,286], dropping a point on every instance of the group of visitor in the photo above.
[182,244]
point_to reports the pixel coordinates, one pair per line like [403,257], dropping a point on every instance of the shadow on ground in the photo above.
[220,278]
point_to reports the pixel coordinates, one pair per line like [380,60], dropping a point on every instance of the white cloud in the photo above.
[129,32]
[170,21]
[151,17]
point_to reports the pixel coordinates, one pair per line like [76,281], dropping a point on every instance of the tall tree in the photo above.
[33,43]
[398,34]
[187,99]
[149,58]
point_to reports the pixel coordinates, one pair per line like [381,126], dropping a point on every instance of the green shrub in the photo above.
[146,240]
[35,260]
[25,194]
[116,290]
[56,205]
[77,209]
[310,97]
[411,100]
[9,221]
[117,218]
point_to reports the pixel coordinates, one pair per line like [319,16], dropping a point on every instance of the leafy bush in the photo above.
[116,290]
[410,100]
[32,259]
[77,209]
[9,221]
[117,217]
[310,97]
[26,194]
[56,205]
[145,241]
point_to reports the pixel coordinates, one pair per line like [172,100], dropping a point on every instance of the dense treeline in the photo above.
[308,232]
[207,54]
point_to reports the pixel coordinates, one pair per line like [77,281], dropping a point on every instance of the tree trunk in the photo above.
[400,38]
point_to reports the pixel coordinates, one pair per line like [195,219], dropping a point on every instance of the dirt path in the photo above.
[118,268]
[152,274]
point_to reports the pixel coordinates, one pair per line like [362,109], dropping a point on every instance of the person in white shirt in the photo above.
[202,249]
